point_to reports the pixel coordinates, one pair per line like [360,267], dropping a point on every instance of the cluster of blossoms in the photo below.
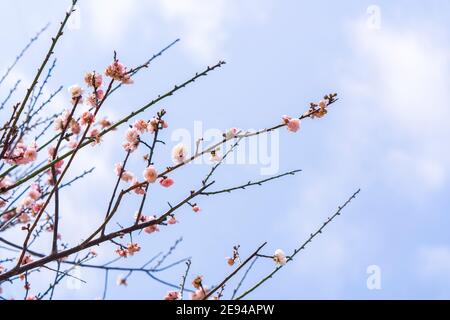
[30,202]
[130,250]
[66,120]
[93,81]
[132,135]
[22,154]
[318,110]
[118,72]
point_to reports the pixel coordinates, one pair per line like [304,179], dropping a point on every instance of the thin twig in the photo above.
[250,183]
[231,275]
[243,278]
[183,279]
[302,247]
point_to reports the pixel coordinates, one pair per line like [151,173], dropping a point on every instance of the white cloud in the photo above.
[428,172]
[204,25]
[399,79]
[201,23]
[110,18]
[407,75]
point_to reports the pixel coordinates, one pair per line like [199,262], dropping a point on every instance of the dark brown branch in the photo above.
[58,144]
[115,188]
[91,243]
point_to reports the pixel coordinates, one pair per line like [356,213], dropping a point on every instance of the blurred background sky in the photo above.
[388,135]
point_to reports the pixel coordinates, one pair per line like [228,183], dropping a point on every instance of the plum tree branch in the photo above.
[302,246]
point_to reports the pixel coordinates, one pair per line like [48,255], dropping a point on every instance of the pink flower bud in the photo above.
[166,182]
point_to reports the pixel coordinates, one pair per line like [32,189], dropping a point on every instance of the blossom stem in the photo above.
[115,188]
[149,162]
[54,175]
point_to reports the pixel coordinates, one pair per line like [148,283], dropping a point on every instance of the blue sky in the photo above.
[386,135]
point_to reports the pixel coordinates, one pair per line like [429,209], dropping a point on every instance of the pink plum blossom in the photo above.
[179,153]
[150,174]
[118,72]
[87,118]
[93,79]
[279,257]
[127,176]
[140,125]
